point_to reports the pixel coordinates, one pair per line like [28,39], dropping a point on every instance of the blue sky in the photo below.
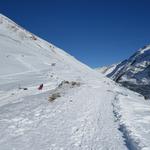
[97,32]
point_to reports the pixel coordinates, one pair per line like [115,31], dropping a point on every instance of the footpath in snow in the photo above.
[82,118]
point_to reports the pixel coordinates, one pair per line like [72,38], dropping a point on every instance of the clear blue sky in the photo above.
[97,32]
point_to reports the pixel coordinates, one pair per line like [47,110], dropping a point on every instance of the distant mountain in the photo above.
[134,73]
[106,69]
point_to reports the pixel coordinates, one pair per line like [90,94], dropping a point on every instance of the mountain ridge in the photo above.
[134,72]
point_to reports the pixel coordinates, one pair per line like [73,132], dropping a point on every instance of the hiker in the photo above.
[40,87]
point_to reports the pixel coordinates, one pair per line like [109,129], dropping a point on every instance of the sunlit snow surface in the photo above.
[96,115]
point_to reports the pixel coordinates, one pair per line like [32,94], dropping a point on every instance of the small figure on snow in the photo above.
[40,87]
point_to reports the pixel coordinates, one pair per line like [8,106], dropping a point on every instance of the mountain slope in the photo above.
[76,109]
[134,73]
[29,119]
[19,47]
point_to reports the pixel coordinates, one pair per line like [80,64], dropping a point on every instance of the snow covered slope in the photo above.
[22,51]
[75,110]
[134,73]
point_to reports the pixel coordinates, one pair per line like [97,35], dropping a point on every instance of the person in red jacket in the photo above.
[40,87]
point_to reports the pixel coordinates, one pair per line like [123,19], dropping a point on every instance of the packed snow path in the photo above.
[81,119]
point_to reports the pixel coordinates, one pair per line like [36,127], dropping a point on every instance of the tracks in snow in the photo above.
[80,120]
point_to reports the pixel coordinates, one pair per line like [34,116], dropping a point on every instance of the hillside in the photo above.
[76,108]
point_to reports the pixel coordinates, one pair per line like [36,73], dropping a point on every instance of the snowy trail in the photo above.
[97,122]
[81,119]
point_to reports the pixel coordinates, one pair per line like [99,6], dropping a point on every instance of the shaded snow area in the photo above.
[77,108]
